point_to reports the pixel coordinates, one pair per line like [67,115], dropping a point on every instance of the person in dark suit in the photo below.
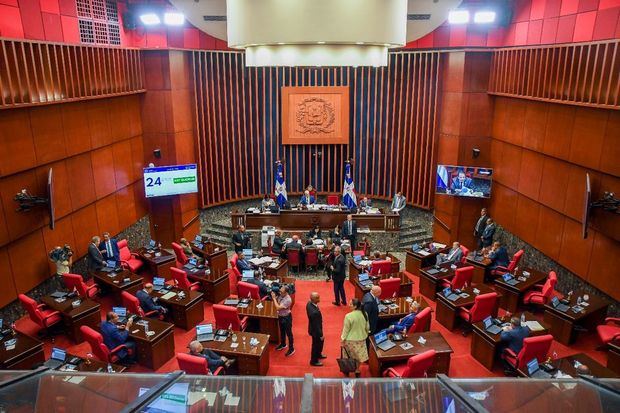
[480,226]
[294,244]
[349,230]
[263,290]
[336,235]
[364,203]
[214,360]
[147,302]
[95,260]
[488,233]
[498,256]
[114,335]
[453,256]
[241,239]
[109,248]
[338,269]
[306,199]
[370,303]
[512,337]
[315,329]
[242,263]
[314,233]
[278,244]
[461,184]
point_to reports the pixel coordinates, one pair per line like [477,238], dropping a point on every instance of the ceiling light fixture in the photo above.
[484,16]
[458,17]
[150,19]
[174,19]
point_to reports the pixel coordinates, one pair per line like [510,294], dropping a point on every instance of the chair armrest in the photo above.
[390,372]
[537,294]
[194,283]
[52,314]
[500,268]
[244,322]
[118,348]
[612,319]
[217,371]
[41,306]
[151,313]
[509,353]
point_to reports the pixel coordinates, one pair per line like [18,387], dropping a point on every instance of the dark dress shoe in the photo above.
[335,303]
[322,356]
[317,364]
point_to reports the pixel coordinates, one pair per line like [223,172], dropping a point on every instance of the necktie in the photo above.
[109,248]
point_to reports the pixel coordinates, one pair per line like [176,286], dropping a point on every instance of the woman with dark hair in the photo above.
[267,202]
[336,235]
[314,233]
[354,334]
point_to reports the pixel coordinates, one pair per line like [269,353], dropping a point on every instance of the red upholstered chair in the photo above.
[233,280]
[364,246]
[465,251]
[333,199]
[533,347]
[609,332]
[43,317]
[422,322]
[226,315]
[416,366]
[182,281]
[359,253]
[540,296]
[98,347]
[312,258]
[246,289]
[389,288]
[132,304]
[233,265]
[381,267]
[484,306]
[462,277]
[129,260]
[191,364]
[181,257]
[511,265]
[76,281]
[293,258]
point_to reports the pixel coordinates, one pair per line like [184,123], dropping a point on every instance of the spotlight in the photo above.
[458,17]
[484,16]
[149,19]
[174,19]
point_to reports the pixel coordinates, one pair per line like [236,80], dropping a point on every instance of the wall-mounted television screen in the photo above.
[470,181]
[170,180]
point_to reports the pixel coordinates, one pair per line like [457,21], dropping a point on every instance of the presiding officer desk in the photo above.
[303,219]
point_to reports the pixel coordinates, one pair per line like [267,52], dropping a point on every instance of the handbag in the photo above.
[347,364]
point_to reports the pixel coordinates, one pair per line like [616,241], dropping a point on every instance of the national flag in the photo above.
[348,192]
[442,177]
[280,191]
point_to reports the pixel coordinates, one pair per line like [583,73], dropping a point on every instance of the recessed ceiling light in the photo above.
[281,43]
[359,42]
[174,19]
[321,42]
[149,19]
[458,17]
[484,16]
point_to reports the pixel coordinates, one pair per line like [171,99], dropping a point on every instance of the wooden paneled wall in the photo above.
[582,74]
[39,73]
[393,136]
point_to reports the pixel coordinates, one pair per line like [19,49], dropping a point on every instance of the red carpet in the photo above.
[462,364]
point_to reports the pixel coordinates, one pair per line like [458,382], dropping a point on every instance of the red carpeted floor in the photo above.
[462,364]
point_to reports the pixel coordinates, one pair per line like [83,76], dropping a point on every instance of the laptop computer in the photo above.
[416,247]
[121,312]
[489,327]
[447,292]
[110,265]
[58,294]
[364,279]
[534,370]
[433,271]
[198,241]
[357,258]
[204,332]
[247,275]
[158,283]
[383,342]
[555,302]
[509,279]
[151,245]
[248,253]
[191,264]
[231,302]
[57,359]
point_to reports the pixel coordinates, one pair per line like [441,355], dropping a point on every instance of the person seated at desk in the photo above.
[453,256]
[241,239]
[364,204]
[187,249]
[263,290]
[147,302]
[311,191]
[114,335]
[267,202]
[306,199]
[109,248]
[294,244]
[336,235]
[242,263]
[512,339]
[404,324]
[214,360]
[498,256]
[314,233]
[461,184]
[398,202]
[376,256]
[278,243]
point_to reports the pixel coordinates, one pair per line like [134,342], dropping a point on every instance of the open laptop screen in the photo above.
[159,281]
[58,354]
[532,366]
[204,329]
[120,311]
[380,337]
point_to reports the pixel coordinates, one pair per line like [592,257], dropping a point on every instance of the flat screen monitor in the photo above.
[468,181]
[170,180]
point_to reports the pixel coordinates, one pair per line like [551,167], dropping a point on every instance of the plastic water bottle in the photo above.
[522,318]
[110,369]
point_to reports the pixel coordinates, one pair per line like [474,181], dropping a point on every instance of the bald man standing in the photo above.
[315,329]
[370,302]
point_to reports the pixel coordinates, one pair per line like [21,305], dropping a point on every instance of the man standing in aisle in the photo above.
[241,240]
[349,231]
[370,302]
[315,329]
[285,319]
[480,226]
[338,268]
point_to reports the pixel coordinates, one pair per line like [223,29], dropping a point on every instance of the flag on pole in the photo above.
[348,192]
[280,192]
[442,177]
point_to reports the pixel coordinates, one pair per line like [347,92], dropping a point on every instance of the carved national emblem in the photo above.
[315,115]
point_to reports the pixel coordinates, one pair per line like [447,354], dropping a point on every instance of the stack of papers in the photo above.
[423,252]
[365,263]
[169,295]
[534,325]
[439,245]
[262,260]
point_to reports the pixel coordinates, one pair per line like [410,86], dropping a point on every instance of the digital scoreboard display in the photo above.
[170,180]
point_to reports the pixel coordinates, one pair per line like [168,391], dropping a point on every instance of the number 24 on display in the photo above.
[150,182]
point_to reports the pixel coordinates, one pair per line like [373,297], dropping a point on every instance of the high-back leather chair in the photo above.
[416,366]
[389,288]
[39,314]
[180,254]
[244,289]
[228,316]
[533,347]
[76,281]
[98,347]
[422,322]
[191,364]
[129,260]
[182,281]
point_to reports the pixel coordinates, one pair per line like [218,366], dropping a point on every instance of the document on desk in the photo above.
[534,325]
[196,396]
[439,245]
[232,400]
[423,253]
[169,295]
[365,263]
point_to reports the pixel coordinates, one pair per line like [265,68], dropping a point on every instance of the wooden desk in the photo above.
[267,318]
[567,366]
[159,266]
[563,324]
[403,308]
[446,311]
[406,285]
[153,351]
[185,312]
[512,295]
[28,351]
[613,356]
[251,361]
[356,269]
[215,287]
[417,260]
[481,267]
[280,271]
[92,365]
[301,220]
[379,360]
[88,313]
[430,284]
[114,282]
[484,345]
[214,255]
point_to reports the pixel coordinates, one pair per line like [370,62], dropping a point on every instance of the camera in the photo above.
[61,253]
